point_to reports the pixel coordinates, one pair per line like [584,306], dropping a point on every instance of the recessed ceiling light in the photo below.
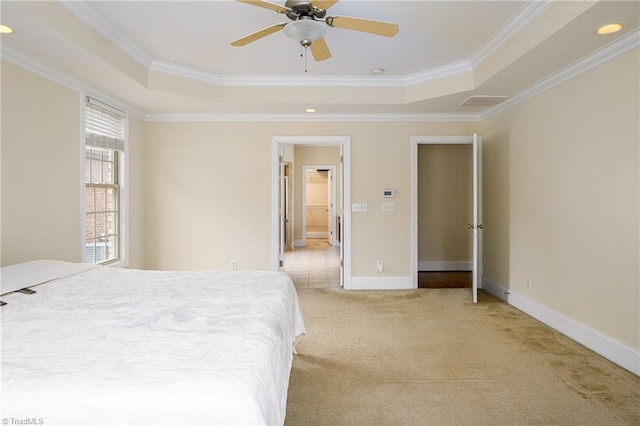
[609,28]
[310,110]
[377,71]
[5,30]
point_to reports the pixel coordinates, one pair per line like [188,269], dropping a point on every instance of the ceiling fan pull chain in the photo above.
[306,50]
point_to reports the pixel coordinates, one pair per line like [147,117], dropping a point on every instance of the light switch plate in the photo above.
[388,207]
[359,207]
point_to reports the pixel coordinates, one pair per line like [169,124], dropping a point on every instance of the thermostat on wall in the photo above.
[389,193]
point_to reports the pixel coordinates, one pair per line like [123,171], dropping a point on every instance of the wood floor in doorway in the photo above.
[444,279]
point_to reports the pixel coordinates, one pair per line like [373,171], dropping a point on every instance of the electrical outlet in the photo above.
[380,265]
[528,282]
[234,265]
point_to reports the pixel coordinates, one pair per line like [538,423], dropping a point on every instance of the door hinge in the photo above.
[341,263]
[281,263]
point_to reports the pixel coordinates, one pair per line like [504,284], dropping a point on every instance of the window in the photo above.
[105,134]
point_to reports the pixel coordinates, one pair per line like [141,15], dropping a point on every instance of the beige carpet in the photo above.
[431,357]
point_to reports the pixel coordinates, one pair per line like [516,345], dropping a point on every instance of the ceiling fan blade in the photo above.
[374,27]
[258,35]
[266,5]
[320,50]
[323,4]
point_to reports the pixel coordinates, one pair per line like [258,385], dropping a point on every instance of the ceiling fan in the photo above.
[308,24]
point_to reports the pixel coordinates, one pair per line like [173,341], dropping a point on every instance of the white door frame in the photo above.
[331,190]
[415,141]
[344,142]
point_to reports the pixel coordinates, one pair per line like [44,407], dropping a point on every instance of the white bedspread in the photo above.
[119,346]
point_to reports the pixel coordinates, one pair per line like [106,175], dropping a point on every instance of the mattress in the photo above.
[121,346]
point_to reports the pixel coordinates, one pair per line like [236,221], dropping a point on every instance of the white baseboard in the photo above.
[381,283]
[615,351]
[425,265]
[299,242]
[317,235]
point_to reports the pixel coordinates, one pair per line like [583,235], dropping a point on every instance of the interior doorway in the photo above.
[337,218]
[474,227]
[320,217]
[445,245]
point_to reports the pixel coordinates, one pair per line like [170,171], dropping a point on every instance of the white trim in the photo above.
[40,68]
[415,141]
[438,73]
[108,31]
[347,117]
[299,242]
[425,265]
[345,143]
[381,283]
[103,27]
[592,60]
[493,288]
[604,54]
[610,348]
[524,17]
[426,76]
[317,235]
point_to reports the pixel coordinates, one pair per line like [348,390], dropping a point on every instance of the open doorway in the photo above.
[474,227]
[320,256]
[320,217]
[445,208]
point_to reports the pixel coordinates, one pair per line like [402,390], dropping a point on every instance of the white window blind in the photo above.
[104,126]
[105,137]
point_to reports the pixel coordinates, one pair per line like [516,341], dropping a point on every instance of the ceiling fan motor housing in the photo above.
[303,8]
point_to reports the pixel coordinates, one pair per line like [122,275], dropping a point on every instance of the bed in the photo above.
[101,345]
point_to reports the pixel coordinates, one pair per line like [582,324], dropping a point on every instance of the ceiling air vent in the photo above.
[483,100]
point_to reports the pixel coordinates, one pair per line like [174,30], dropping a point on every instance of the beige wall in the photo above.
[41,177]
[561,190]
[445,203]
[136,192]
[208,191]
[40,169]
[562,199]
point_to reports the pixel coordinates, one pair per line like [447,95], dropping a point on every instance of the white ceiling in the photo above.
[160,58]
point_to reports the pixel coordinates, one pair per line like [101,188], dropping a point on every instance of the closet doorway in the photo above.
[474,227]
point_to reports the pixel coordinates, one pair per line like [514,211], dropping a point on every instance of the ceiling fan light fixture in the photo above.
[305,31]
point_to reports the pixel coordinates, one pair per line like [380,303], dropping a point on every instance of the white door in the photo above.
[340,222]
[476,226]
[281,207]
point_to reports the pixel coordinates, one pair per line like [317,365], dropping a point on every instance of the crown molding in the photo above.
[438,73]
[524,16]
[312,117]
[104,28]
[604,54]
[309,81]
[29,63]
